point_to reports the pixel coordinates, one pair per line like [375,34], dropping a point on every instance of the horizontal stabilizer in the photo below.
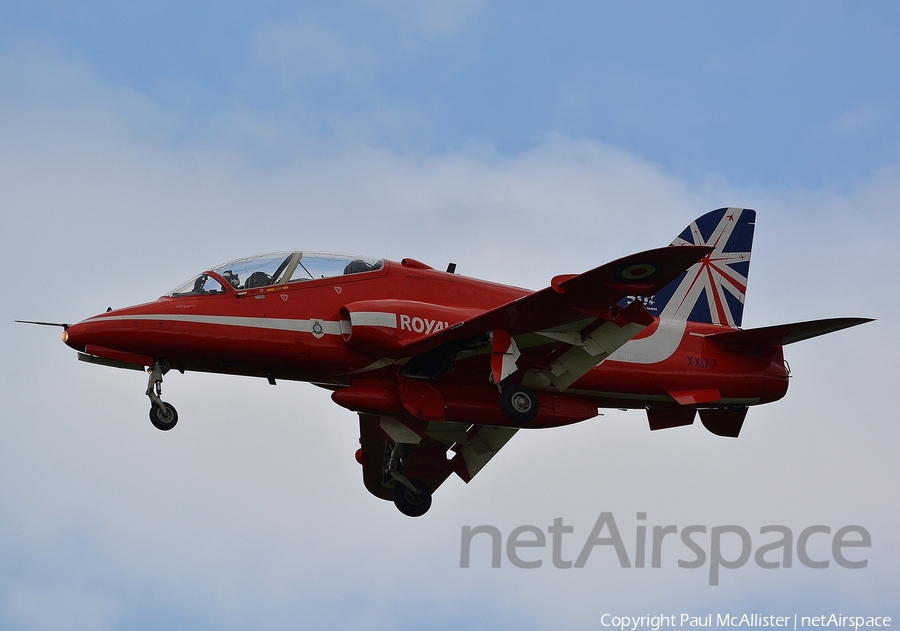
[783,334]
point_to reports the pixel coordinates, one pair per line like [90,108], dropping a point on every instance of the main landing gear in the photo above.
[411,496]
[163,415]
[519,404]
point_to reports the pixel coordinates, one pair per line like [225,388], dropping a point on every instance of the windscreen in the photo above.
[280,267]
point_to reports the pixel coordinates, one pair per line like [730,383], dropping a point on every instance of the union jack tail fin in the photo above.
[713,289]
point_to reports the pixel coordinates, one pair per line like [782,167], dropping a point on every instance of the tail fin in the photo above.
[713,289]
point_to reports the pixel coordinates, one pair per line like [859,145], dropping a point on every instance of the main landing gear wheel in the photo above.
[519,404]
[412,503]
[163,418]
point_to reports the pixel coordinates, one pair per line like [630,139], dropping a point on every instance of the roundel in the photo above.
[638,271]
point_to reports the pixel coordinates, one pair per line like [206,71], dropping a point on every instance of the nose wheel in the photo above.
[163,415]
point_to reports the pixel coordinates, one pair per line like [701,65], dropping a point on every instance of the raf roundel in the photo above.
[639,271]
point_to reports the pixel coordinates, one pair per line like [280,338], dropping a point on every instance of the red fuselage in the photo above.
[302,331]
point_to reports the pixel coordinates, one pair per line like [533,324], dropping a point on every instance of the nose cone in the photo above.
[103,329]
[109,337]
[74,336]
[110,329]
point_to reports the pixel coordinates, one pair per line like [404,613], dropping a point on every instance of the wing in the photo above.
[571,298]
[428,444]
[579,310]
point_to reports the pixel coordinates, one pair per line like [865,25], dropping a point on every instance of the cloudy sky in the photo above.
[141,143]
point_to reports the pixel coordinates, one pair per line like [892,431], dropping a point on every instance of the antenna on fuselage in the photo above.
[451,269]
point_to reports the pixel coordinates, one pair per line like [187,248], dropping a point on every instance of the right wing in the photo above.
[571,298]
[579,310]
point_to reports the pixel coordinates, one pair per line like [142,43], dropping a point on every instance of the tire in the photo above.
[409,503]
[519,404]
[163,419]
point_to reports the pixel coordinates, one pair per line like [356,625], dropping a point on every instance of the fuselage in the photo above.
[340,331]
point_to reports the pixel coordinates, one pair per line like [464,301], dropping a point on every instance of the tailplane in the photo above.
[784,334]
[713,289]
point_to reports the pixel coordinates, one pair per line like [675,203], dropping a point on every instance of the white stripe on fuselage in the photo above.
[374,318]
[657,347]
[329,327]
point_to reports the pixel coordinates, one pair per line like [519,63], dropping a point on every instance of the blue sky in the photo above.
[143,142]
[757,93]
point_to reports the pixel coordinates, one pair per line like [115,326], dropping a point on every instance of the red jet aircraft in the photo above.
[443,370]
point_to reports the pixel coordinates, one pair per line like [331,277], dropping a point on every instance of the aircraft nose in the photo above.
[75,336]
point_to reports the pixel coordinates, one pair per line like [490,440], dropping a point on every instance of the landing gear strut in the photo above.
[163,415]
[411,496]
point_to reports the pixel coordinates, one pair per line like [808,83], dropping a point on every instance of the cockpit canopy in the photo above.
[277,268]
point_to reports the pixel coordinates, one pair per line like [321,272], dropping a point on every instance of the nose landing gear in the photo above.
[163,415]
[163,418]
